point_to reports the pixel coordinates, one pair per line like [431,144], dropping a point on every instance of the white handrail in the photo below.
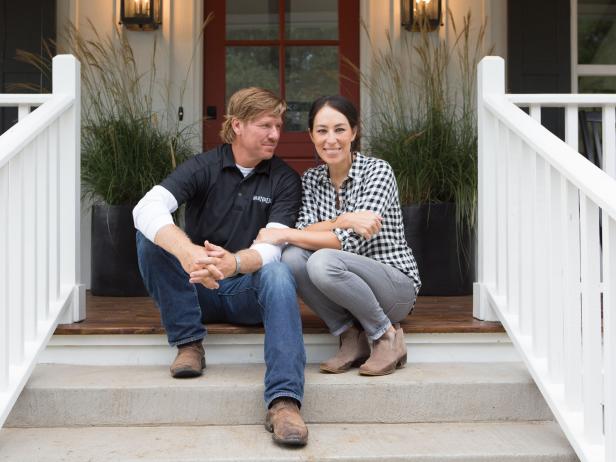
[39,226]
[605,146]
[20,135]
[547,254]
[561,156]
[10,100]
[564,99]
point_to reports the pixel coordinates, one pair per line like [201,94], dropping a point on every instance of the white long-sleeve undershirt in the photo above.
[154,211]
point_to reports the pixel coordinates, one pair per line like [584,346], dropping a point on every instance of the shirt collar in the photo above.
[229,161]
[322,173]
[355,172]
[357,167]
[264,166]
[227,156]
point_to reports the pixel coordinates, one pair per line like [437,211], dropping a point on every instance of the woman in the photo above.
[348,252]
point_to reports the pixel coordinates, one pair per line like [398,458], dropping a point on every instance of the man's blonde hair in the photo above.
[248,103]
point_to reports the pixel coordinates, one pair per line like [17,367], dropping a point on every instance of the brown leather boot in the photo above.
[354,351]
[388,354]
[285,423]
[190,361]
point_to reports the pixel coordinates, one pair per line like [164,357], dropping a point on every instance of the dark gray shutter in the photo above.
[539,52]
[23,25]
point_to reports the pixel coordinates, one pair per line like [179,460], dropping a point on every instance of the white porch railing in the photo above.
[39,226]
[547,254]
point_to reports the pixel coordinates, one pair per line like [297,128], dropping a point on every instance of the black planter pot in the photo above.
[446,265]
[115,272]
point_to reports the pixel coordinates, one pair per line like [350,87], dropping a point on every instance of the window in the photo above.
[594,46]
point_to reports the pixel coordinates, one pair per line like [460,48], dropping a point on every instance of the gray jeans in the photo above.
[342,287]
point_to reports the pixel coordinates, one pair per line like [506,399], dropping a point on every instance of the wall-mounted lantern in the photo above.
[141,14]
[421,14]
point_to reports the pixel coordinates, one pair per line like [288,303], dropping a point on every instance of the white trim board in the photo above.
[101,350]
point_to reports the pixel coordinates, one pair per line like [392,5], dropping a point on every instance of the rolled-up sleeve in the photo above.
[154,211]
[378,192]
[269,252]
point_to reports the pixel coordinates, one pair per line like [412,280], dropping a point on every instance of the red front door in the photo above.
[296,48]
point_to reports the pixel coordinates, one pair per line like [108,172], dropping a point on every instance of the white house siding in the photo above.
[383,16]
[180,28]
[175,44]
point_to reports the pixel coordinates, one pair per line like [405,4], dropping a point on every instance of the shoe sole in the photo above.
[356,363]
[187,373]
[288,442]
[399,365]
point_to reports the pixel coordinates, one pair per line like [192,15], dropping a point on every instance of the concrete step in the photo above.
[62,395]
[153,350]
[442,442]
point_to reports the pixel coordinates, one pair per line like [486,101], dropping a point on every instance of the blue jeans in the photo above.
[266,296]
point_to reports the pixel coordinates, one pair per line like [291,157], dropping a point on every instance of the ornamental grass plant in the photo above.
[127,145]
[423,120]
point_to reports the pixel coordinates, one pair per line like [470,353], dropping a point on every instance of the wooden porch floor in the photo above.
[139,315]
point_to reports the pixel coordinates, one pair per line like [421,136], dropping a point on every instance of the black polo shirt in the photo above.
[227,209]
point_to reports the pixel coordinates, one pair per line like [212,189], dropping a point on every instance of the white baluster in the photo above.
[42,244]
[29,263]
[53,236]
[535,112]
[609,140]
[572,304]
[540,255]
[4,272]
[571,126]
[609,333]
[556,281]
[15,258]
[527,241]
[22,111]
[591,319]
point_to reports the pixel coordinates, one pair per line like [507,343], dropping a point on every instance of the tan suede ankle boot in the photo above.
[388,353]
[354,350]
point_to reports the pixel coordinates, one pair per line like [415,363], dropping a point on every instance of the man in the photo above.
[214,272]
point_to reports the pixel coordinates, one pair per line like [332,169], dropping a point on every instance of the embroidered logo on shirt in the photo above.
[262,199]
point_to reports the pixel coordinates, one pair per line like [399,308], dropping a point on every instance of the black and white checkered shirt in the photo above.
[370,185]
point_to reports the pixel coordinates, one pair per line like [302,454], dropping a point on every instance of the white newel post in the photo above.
[490,81]
[66,80]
